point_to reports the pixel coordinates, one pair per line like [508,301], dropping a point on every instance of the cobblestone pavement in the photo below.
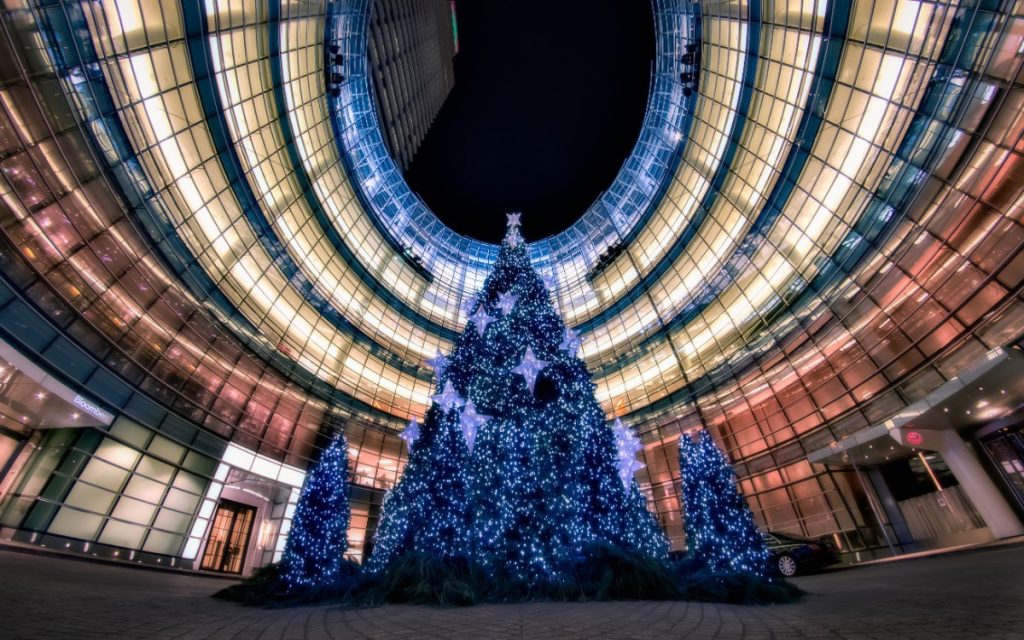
[971,595]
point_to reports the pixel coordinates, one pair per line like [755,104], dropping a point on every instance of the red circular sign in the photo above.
[914,438]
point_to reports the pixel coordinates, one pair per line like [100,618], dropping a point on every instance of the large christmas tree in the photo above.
[318,538]
[721,537]
[514,467]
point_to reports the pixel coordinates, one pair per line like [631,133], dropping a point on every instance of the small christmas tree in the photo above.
[721,536]
[319,535]
[515,467]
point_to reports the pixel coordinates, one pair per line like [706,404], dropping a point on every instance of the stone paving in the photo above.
[970,595]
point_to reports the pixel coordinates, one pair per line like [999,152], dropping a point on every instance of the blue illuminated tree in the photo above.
[515,467]
[318,539]
[721,536]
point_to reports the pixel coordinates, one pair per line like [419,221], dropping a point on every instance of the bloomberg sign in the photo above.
[90,408]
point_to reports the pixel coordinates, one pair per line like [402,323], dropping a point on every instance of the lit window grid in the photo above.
[285,207]
[823,398]
[302,59]
[737,308]
[137,496]
[791,54]
[283,309]
[908,315]
[421,228]
[55,231]
[800,243]
[911,19]
[444,251]
[1005,332]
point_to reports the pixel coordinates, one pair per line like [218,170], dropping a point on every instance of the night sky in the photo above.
[548,101]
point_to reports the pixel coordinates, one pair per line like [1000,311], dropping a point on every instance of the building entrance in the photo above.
[1005,449]
[229,537]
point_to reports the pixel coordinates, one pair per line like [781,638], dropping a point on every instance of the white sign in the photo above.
[91,409]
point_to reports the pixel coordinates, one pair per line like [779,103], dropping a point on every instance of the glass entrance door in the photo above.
[229,537]
[1006,450]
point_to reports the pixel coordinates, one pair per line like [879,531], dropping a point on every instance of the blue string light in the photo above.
[318,538]
[721,536]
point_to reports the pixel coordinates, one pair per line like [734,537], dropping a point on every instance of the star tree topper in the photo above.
[448,399]
[506,301]
[411,433]
[470,422]
[481,320]
[530,367]
[513,219]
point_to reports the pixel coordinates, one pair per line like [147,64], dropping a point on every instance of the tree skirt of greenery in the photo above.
[602,573]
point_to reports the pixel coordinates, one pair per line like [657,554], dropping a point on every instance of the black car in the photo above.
[792,555]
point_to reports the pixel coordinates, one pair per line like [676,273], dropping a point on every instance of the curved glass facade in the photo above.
[211,248]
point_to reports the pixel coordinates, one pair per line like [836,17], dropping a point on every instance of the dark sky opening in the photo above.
[548,102]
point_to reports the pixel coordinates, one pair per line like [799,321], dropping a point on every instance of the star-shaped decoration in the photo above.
[530,367]
[470,422]
[411,433]
[626,441]
[627,445]
[448,399]
[481,320]
[438,363]
[513,219]
[506,301]
[626,471]
[572,342]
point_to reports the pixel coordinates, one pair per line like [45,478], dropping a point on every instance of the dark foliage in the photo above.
[267,587]
[601,573]
[417,578]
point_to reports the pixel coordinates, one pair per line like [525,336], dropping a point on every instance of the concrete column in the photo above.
[976,483]
[892,510]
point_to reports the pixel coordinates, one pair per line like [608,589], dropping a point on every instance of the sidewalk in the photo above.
[991,544]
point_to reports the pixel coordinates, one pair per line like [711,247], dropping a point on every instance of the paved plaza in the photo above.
[969,595]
